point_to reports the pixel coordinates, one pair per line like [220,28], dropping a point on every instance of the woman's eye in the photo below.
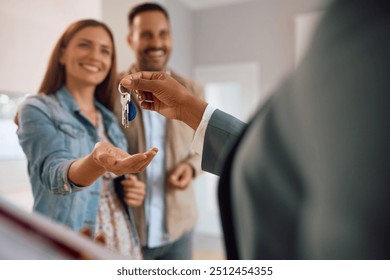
[83,45]
[106,52]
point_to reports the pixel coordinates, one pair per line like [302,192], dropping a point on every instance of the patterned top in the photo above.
[112,219]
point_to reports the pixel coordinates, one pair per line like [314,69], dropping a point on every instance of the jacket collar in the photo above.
[68,102]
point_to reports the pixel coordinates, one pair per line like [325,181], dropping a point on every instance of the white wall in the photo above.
[28,32]
[114,14]
[262,31]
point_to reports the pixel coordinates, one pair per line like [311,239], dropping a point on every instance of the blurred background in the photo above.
[238,49]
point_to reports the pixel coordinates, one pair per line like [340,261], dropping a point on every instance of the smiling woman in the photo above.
[74,145]
[86,47]
[87,60]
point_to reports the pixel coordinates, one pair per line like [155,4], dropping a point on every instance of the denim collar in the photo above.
[66,100]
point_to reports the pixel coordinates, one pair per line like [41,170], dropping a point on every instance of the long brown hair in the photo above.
[55,76]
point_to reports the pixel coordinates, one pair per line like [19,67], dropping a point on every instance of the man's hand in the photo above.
[181,176]
[135,191]
[159,92]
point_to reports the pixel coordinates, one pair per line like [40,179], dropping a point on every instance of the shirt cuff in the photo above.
[197,142]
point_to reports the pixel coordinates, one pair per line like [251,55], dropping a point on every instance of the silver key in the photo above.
[125,101]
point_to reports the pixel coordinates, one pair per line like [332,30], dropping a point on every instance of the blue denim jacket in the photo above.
[53,133]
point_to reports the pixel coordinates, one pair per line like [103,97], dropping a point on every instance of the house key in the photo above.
[128,110]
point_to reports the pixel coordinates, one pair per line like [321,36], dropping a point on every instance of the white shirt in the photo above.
[154,125]
[198,141]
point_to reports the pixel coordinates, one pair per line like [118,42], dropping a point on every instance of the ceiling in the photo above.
[206,4]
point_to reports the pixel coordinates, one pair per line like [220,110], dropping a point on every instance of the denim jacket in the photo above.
[53,133]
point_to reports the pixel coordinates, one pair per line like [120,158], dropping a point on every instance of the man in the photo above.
[166,219]
[308,177]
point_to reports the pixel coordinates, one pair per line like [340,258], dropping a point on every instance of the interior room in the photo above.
[238,50]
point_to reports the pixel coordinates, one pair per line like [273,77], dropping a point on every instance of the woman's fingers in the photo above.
[136,163]
[118,161]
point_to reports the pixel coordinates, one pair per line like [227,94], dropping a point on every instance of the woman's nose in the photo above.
[95,52]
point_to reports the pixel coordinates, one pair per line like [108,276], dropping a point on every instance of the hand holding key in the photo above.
[159,92]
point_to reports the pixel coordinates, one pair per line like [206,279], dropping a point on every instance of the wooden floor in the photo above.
[208,247]
[205,255]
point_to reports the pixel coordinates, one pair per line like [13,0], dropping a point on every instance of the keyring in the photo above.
[122,90]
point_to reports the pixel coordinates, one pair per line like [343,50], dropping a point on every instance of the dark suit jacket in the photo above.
[309,176]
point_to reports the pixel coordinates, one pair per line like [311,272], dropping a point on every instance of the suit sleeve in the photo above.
[222,131]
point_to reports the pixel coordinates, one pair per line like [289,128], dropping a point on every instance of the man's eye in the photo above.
[146,35]
[164,35]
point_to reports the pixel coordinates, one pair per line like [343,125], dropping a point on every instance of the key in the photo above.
[129,111]
[125,102]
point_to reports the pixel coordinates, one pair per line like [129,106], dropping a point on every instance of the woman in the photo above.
[69,136]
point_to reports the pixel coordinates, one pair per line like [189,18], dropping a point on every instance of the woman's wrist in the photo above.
[85,171]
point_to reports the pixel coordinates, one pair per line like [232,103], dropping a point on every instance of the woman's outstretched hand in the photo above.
[119,162]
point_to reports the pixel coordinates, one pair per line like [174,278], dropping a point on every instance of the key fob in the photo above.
[132,111]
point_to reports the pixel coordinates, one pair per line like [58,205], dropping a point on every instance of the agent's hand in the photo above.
[135,191]
[118,161]
[159,92]
[181,176]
